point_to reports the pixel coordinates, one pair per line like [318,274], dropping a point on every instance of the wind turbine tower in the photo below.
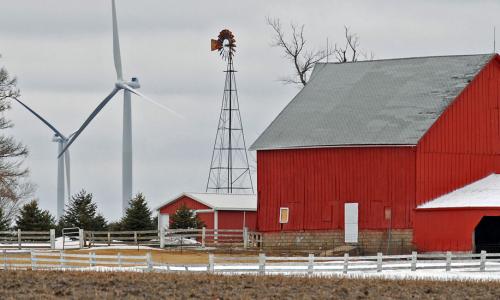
[128,88]
[63,162]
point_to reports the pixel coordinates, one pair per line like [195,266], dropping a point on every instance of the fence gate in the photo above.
[72,233]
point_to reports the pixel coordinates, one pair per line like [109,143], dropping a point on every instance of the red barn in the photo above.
[364,144]
[217,211]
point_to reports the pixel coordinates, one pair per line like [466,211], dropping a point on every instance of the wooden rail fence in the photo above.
[212,237]
[144,237]
[27,239]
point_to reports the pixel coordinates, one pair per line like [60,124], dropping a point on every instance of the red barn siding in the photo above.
[448,229]
[315,184]
[172,207]
[234,219]
[464,144]
[226,219]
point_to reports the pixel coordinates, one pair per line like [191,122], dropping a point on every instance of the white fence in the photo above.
[60,260]
[262,264]
[378,263]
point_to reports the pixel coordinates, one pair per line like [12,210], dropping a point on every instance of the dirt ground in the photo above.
[88,285]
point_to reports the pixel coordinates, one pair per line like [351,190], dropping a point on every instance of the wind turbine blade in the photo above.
[68,173]
[40,118]
[116,44]
[132,90]
[89,119]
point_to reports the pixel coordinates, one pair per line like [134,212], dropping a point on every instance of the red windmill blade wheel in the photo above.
[227,35]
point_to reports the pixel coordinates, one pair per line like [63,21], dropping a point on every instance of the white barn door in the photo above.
[351,222]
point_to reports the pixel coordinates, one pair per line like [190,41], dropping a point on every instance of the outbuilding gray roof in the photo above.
[380,102]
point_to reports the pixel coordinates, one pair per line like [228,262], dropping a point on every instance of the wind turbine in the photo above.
[128,88]
[62,162]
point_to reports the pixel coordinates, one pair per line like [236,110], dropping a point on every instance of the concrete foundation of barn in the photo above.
[370,241]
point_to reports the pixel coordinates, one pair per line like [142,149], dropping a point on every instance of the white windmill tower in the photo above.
[63,162]
[128,88]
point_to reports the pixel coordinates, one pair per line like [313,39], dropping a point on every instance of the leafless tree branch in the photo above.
[303,59]
[294,48]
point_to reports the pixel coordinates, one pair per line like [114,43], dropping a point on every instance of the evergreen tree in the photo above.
[31,217]
[4,221]
[138,215]
[184,218]
[115,226]
[82,213]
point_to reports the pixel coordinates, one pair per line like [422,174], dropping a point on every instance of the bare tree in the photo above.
[14,186]
[303,59]
[294,49]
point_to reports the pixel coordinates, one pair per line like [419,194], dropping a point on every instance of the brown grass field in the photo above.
[90,285]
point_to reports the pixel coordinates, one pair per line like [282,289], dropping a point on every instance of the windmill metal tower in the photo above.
[229,170]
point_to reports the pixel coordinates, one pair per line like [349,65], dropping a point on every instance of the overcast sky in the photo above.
[61,52]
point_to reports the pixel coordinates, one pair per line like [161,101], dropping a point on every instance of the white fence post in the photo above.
[149,261]
[33,260]
[448,261]
[119,259]
[162,237]
[61,258]
[109,238]
[414,260]
[211,262]
[262,263]
[379,262]
[19,238]
[203,236]
[5,259]
[482,264]
[346,262]
[91,261]
[81,238]
[245,237]
[310,265]
[52,239]
[135,237]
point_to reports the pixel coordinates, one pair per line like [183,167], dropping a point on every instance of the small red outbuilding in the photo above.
[466,219]
[217,211]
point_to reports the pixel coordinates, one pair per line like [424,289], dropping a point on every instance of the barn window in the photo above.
[284,212]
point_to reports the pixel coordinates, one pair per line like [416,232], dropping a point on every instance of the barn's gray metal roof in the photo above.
[380,102]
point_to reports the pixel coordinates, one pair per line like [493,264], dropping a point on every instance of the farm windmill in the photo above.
[128,88]
[63,162]
[229,170]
